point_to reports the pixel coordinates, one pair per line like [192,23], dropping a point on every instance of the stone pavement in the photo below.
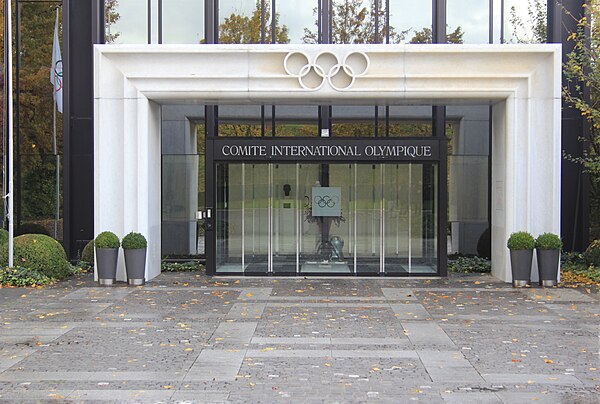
[191,338]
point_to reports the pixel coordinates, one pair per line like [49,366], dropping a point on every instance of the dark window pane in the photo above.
[240,21]
[240,120]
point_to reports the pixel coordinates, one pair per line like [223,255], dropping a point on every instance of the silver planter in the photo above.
[135,265]
[107,265]
[520,265]
[548,267]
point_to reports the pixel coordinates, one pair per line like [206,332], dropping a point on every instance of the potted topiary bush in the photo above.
[107,253]
[521,246]
[547,247]
[134,246]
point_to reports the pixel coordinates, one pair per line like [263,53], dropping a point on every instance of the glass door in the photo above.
[343,218]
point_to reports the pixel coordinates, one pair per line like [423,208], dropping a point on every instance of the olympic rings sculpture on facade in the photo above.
[326,66]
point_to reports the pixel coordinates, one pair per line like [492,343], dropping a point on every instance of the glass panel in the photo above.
[182,21]
[403,121]
[126,22]
[353,22]
[410,21]
[353,121]
[180,201]
[424,255]
[325,189]
[471,27]
[240,120]
[255,208]
[368,206]
[297,120]
[468,189]
[286,215]
[239,21]
[296,17]
[397,216]
[525,21]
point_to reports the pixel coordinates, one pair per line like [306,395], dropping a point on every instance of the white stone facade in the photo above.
[521,82]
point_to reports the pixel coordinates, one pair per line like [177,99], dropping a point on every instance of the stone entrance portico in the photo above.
[521,82]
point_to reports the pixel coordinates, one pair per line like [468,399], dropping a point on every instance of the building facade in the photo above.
[295,144]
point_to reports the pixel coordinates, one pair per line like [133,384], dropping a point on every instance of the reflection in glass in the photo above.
[326,218]
[296,120]
[126,22]
[525,21]
[350,121]
[405,121]
[471,27]
[240,121]
[411,21]
[295,16]
[240,21]
[182,21]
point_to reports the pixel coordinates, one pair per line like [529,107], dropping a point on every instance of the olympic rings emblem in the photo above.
[326,201]
[326,67]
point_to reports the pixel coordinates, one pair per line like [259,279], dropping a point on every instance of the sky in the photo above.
[183,19]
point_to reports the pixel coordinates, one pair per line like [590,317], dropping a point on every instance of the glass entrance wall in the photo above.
[343,218]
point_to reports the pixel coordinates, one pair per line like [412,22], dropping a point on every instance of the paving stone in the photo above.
[515,378]
[313,340]
[398,294]
[428,334]
[246,311]
[234,333]
[410,311]
[557,295]
[216,365]
[471,398]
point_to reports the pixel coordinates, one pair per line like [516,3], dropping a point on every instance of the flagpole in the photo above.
[57,214]
[9,196]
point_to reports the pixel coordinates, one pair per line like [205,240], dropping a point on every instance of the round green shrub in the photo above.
[107,239]
[592,253]
[38,252]
[87,255]
[133,241]
[3,236]
[521,240]
[548,241]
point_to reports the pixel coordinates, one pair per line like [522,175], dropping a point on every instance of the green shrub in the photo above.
[3,236]
[180,266]
[38,252]
[21,277]
[592,254]
[548,241]
[470,265]
[87,255]
[133,241]
[107,239]
[520,240]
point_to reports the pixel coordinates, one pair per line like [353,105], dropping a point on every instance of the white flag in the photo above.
[56,71]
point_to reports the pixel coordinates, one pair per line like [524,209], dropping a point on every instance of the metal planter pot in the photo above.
[520,265]
[548,267]
[107,265]
[135,266]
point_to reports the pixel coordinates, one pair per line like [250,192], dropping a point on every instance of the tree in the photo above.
[425,36]
[533,30]
[582,91]
[353,22]
[239,28]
